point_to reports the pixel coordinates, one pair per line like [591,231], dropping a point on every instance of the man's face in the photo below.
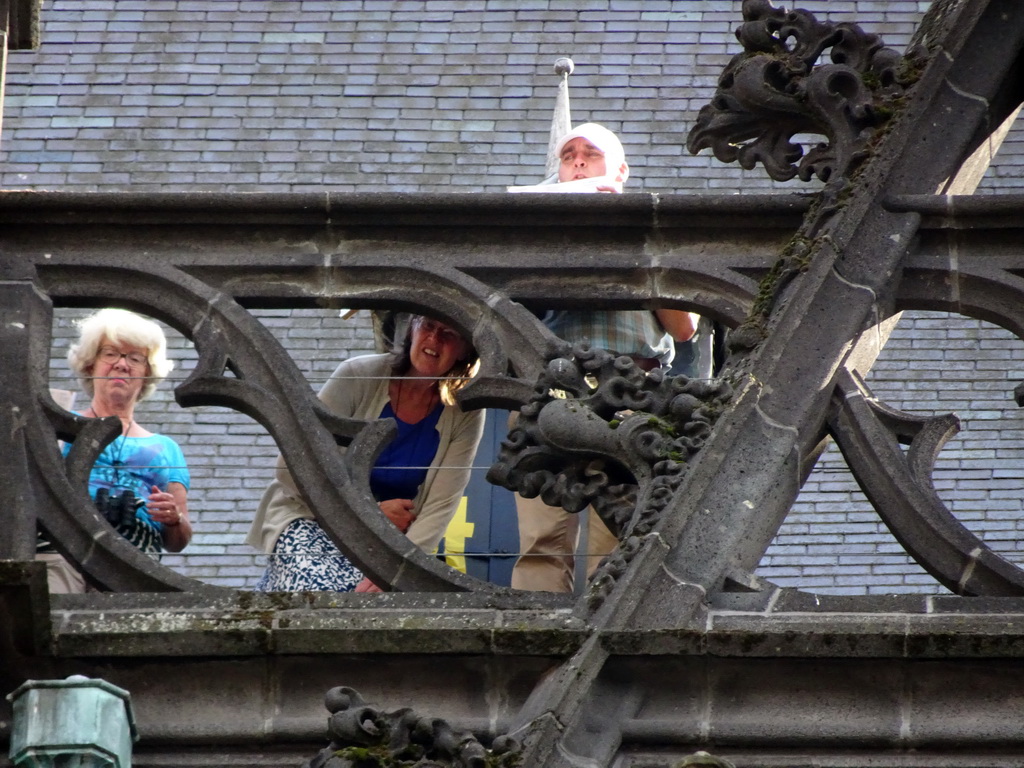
[580,160]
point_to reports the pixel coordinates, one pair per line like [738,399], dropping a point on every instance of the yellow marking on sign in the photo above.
[455,536]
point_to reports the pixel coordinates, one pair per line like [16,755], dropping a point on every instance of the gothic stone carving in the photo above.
[363,736]
[774,90]
[600,431]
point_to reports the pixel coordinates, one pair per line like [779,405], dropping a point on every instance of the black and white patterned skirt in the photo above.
[305,560]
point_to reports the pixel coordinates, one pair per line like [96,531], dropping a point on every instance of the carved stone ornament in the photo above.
[601,431]
[774,91]
[363,736]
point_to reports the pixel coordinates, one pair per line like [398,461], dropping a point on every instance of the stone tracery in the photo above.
[776,431]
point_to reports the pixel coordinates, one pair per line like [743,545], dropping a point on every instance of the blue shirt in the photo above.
[402,466]
[136,464]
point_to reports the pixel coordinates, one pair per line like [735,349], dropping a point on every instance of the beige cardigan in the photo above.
[358,389]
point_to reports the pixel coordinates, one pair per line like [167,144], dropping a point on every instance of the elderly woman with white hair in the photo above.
[120,357]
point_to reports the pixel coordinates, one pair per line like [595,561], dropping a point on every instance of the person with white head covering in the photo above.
[590,159]
[591,153]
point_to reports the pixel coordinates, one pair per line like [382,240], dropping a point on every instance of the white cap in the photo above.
[603,139]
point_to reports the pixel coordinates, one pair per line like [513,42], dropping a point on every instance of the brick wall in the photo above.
[366,95]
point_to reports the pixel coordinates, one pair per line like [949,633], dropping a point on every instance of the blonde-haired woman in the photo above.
[419,477]
[119,358]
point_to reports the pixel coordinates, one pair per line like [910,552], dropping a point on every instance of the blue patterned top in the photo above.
[137,464]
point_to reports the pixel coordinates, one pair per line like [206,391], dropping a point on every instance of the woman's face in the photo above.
[119,371]
[436,347]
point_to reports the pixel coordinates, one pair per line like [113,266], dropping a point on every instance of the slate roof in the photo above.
[413,95]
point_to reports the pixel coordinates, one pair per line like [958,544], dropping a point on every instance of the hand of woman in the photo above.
[170,508]
[367,586]
[163,507]
[399,512]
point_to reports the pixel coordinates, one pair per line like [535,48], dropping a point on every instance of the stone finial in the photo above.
[561,122]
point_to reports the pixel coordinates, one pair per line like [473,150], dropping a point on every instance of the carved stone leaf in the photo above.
[775,90]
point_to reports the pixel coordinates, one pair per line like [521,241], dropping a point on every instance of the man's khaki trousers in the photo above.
[548,539]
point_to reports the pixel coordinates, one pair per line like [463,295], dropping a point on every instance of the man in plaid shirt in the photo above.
[591,159]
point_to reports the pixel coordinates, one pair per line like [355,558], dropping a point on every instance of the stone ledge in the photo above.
[773,211]
[242,624]
[508,623]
